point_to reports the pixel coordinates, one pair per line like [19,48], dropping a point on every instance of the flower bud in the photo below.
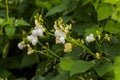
[67,47]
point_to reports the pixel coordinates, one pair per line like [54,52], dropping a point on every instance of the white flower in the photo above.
[62,40]
[40,32]
[60,33]
[21,45]
[34,33]
[34,42]
[90,38]
[39,27]
[32,39]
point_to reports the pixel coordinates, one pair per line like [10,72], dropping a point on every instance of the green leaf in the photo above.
[11,62]
[80,28]
[43,67]
[5,50]
[66,63]
[10,31]
[1,21]
[112,27]
[4,73]
[48,5]
[21,22]
[9,21]
[80,66]
[93,29]
[61,77]
[103,69]
[112,50]
[28,60]
[117,68]
[104,11]
[85,2]
[39,3]
[116,15]
[71,6]
[56,9]
[55,2]
[111,1]
[57,48]
[75,53]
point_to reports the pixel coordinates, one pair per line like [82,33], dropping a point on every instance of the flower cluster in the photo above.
[37,31]
[33,37]
[61,30]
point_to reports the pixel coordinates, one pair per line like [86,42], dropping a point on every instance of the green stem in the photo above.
[49,50]
[97,43]
[81,45]
[44,54]
[7,10]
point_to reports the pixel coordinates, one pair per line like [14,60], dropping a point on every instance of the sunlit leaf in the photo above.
[21,22]
[104,11]
[111,1]
[66,63]
[117,68]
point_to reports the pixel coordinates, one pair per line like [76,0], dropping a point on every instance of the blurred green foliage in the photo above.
[86,16]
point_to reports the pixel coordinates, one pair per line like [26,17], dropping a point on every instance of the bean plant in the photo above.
[59,39]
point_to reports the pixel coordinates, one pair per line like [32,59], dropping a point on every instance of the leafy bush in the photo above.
[59,39]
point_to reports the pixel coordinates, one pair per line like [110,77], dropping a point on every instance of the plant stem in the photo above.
[7,10]
[45,54]
[81,45]
[49,50]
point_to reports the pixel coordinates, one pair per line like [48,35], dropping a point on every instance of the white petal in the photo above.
[34,42]
[34,33]
[62,40]
[90,38]
[40,32]
[20,46]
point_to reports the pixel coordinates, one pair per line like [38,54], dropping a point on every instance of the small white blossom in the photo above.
[21,45]
[60,33]
[62,40]
[90,38]
[34,33]
[32,39]
[40,32]
[34,42]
